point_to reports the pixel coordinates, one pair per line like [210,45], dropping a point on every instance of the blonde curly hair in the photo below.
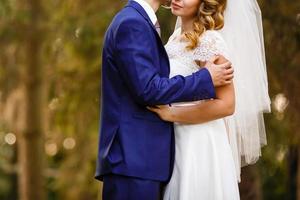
[210,16]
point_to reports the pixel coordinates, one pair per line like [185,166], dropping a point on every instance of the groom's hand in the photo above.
[220,70]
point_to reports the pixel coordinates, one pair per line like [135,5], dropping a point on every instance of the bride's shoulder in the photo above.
[212,36]
[211,43]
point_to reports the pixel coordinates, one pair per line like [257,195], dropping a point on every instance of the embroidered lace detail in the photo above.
[210,43]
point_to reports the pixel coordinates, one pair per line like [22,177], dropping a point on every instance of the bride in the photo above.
[210,153]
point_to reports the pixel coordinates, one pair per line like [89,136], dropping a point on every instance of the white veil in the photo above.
[243,34]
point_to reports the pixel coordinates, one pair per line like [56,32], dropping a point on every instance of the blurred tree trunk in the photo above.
[292,172]
[291,89]
[297,181]
[292,160]
[30,149]
[250,186]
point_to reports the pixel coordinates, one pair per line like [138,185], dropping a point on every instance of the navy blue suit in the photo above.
[135,142]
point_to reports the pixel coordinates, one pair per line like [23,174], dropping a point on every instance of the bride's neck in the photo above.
[187,24]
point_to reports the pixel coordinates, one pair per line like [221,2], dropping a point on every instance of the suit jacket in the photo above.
[135,73]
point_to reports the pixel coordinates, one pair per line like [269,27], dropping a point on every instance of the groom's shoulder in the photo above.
[129,15]
[126,20]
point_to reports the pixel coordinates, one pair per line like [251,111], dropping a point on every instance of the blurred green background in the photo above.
[50,67]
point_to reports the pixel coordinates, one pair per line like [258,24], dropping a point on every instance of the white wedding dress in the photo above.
[204,168]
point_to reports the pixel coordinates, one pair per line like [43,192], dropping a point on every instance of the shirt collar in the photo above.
[148,9]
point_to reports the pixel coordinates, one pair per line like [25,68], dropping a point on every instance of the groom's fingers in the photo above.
[229,77]
[152,109]
[213,59]
[227,82]
[226,65]
[229,71]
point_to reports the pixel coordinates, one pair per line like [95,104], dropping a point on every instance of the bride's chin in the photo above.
[174,12]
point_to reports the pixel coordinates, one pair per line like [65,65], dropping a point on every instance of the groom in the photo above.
[136,148]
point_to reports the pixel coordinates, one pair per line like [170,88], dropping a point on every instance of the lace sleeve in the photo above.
[210,43]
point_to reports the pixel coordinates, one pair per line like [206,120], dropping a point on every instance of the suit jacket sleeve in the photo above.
[133,51]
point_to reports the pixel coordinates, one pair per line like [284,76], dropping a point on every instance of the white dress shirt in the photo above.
[149,10]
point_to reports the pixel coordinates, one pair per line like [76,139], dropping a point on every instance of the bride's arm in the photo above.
[206,111]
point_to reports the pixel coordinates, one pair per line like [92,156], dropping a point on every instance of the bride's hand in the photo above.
[164,112]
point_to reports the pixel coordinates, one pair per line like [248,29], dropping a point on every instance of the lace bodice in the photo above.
[182,61]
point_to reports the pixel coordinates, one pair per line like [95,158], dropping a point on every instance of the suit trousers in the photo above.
[118,187]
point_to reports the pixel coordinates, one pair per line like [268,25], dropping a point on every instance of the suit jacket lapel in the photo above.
[141,10]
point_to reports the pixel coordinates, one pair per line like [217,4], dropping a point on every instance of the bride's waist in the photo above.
[218,123]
